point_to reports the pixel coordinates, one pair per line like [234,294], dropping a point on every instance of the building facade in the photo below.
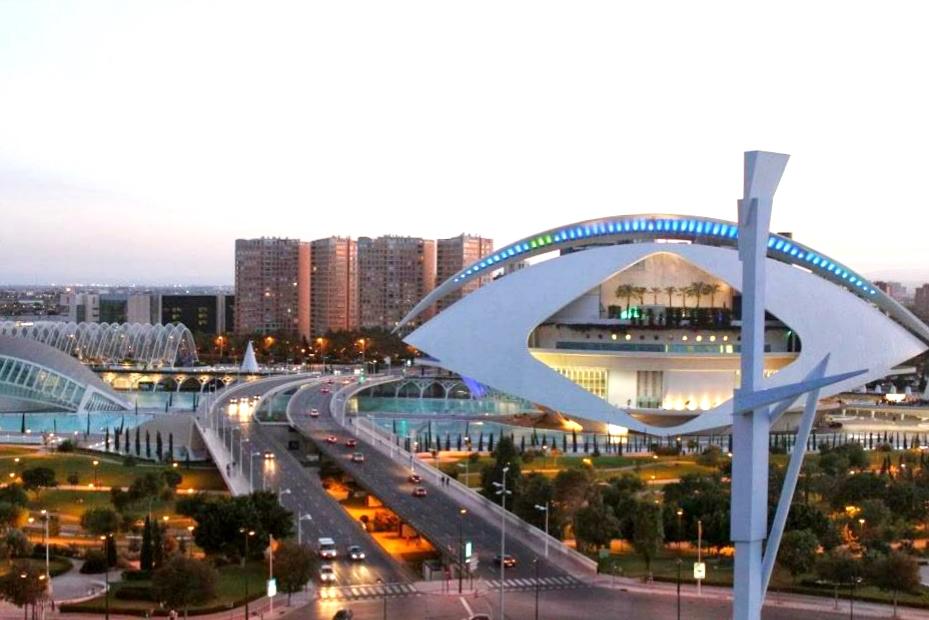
[453,255]
[272,286]
[921,301]
[393,274]
[333,285]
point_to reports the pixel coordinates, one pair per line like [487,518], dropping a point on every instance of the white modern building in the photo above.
[641,315]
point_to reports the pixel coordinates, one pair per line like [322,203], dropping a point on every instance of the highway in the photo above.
[436,516]
[307,497]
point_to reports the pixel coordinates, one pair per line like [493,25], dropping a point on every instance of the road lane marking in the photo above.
[466,606]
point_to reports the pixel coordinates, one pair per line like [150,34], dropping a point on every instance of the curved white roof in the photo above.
[649,227]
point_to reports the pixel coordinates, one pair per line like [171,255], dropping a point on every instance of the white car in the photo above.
[356,553]
[327,548]
[314,413]
[326,573]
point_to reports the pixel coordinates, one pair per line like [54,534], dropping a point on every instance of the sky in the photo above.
[138,140]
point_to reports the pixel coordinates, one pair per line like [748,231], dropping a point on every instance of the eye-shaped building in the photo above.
[638,317]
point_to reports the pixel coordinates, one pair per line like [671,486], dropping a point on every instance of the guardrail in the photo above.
[389,444]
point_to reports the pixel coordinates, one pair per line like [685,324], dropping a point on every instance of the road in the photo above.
[592,602]
[436,516]
[307,497]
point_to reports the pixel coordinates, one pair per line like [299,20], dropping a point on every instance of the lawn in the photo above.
[111,470]
[73,504]
[56,565]
[230,592]
[719,572]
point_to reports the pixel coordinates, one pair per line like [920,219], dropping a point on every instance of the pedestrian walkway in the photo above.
[543,583]
[370,591]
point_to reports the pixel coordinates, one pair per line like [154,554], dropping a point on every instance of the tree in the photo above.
[37,478]
[183,582]
[536,490]
[895,572]
[594,524]
[648,531]
[626,291]
[146,554]
[838,567]
[505,456]
[797,552]
[159,448]
[106,439]
[170,446]
[655,291]
[23,585]
[15,544]
[126,446]
[670,291]
[148,445]
[295,566]
[100,521]
[14,494]
[11,515]
[158,545]
[138,442]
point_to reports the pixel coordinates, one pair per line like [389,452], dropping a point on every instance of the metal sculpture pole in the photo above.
[749,522]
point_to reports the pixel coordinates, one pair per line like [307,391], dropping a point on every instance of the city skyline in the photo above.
[400,123]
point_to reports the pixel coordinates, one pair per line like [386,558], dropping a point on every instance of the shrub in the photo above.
[73,479]
[94,562]
[130,461]
[67,446]
[135,593]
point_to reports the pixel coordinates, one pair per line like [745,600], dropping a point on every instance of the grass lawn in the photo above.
[719,572]
[75,503]
[56,565]
[230,591]
[110,472]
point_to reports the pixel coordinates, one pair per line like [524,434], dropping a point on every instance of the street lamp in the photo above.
[95,463]
[380,582]
[281,494]
[680,514]
[48,575]
[545,510]
[106,542]
[246,534]
[190,535]
[502,492]
[461,514]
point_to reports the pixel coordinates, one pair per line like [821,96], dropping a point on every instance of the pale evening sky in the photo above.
[139,139]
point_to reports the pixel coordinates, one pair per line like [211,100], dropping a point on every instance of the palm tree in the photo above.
[687,291]
[655,291]
[670,290]
[625,291]
[639,292]
[698,289]
[713,290]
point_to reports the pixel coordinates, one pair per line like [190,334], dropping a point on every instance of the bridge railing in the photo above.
[388,443]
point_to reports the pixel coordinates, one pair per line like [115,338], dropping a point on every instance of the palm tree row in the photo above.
[696,289]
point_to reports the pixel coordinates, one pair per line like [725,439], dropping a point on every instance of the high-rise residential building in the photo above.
[394,273]
[921,301]
[272,286]
[455,254]
[81,307]
[895,290]
[333,285]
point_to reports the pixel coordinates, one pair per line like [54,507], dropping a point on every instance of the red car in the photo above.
[351,443]
[419,492]
[415,478]
[332,439]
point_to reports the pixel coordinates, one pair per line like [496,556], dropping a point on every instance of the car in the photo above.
[326,573]
[415,478]
[268,456]
[358,457]
[332,439]
[356,553]
[347,614]
[351,443]
[419,492]
[314,413]
[325,391]
[508,560]
[327,548]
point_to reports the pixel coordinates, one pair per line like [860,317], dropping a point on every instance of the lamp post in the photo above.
[106,573]
[545,510]
[246,534]
[380,582]
[461,514]
[190,536]
[95,463]
[535,563]
[680,514]
[48,575]
[679,562]
[502,492]
[467,468]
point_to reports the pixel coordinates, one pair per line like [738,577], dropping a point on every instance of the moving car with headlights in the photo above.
[327,548]
[358,457]
[326,573]
[419,492]
[356,553]
[314,413]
